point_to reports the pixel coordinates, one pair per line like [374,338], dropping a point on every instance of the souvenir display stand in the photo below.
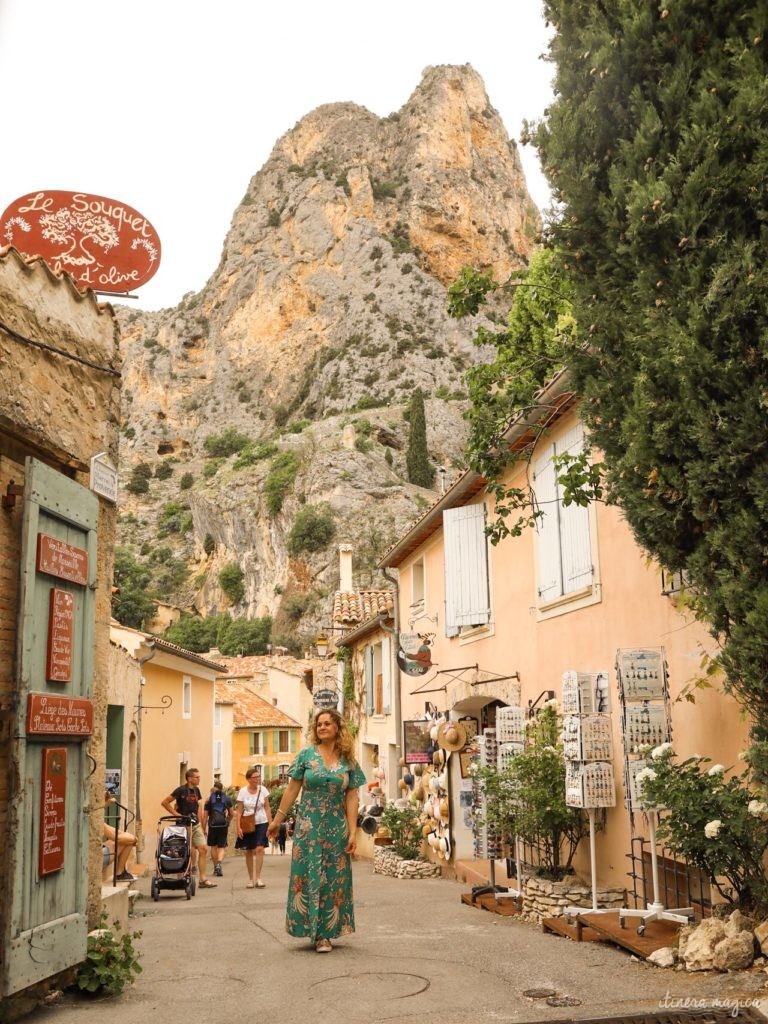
[588,751]
[510,734]
[644,695]
[487,842]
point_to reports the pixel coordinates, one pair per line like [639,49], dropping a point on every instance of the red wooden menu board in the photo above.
[65,561]
[53,802]
[61,627]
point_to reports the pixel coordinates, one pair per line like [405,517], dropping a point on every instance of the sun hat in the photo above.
[452,736]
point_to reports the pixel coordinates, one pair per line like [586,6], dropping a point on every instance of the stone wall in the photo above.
[544,898]
[387,862]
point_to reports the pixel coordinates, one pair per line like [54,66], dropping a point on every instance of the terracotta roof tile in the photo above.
[353,607]
[251,710]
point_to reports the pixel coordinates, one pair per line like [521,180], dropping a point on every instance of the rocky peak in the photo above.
[327,309]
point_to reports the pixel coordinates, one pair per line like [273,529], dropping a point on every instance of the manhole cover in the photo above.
[539,993]
[373,986]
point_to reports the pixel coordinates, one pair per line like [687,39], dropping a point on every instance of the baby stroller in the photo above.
[173,856]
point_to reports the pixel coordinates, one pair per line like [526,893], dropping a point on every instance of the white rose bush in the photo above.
[712,820]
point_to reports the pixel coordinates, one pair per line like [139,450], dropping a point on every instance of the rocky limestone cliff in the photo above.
[327,309]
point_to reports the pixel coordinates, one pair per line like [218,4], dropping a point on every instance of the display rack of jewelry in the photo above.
[646,723]
[588,751]
[487,840]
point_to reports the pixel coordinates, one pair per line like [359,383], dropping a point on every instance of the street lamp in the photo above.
[321,645]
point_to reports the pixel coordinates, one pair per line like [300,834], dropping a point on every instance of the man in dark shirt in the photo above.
[188,800]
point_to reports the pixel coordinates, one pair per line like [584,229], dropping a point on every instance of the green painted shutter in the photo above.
[369,697]
[47,925]
[293,741]
[275,741]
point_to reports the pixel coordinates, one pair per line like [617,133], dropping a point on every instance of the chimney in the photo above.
[345,568]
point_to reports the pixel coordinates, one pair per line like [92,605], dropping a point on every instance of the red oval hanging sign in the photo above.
[102,243]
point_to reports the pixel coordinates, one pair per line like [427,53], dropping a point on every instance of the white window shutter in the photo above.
[467,599]
[386,675]
[369,680]
[550,583]
[575,542]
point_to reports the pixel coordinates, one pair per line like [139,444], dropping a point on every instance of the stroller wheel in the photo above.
[192,884]
[188,889]
[154,890]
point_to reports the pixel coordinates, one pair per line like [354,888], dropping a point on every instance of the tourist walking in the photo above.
[327,776]
[218,807]
[187,801]
[253,819]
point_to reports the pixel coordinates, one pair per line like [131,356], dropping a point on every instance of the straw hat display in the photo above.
[451,736]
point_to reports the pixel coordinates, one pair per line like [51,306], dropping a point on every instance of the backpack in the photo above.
[218,816]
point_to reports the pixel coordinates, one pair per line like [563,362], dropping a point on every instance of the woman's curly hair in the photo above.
[345,743]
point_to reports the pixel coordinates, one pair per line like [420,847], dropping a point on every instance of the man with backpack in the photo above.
[219,809]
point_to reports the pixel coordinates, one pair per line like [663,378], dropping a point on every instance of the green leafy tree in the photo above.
[313,529]
[539,334]
[657,151]
[231,582]
[193,633]
[227,443]
[420,470]
[132,603]
[245,636]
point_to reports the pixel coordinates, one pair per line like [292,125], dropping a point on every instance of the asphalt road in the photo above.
[418,955]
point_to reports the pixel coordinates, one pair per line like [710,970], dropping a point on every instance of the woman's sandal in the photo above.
[323,946]
[206,885]
[261,885]
[250,885]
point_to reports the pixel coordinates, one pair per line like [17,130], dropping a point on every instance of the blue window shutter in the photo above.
[550,581]
[369,680]
[467,597]
[386,674]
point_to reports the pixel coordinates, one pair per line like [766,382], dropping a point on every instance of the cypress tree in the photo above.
[420,469]
[657,151]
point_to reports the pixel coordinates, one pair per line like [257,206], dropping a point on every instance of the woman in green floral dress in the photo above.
[320,903]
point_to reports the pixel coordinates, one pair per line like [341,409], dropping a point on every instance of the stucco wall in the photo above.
[628,611]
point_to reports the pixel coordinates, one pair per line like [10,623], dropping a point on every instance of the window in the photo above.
[283,742]
[417,586]
[467,594]
[378,678]
[217,714]
[256,743]
[282,772]
[218,754]
[564,545]
[186,696]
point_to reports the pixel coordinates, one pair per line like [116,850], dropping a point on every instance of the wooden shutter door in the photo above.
[575,541]
[467,600]
[48,925]
[369,680]
[386,674]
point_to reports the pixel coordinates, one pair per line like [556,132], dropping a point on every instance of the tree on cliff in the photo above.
[657,151]
[420,469]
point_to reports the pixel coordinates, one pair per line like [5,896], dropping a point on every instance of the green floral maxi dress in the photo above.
[320,892]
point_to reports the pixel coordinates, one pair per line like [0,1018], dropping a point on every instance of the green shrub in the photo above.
[227,443]
[281,476]
[138,482]
[186,482]
[383,189]
[164,470]
[209,544]
[273,220]
[110,962]
[313,529]
[295,606]
[389,457]
[129,432]
[254,452]
[211,468]
[231,582]
[405,828]
[244,636]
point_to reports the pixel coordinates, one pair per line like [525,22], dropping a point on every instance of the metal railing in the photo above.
[680,884]
[114,822]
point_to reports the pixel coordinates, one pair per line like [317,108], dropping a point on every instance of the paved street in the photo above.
[418,955]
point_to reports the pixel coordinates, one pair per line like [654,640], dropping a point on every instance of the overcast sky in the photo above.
[170,106]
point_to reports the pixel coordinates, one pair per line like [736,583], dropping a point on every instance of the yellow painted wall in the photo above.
[242,759]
